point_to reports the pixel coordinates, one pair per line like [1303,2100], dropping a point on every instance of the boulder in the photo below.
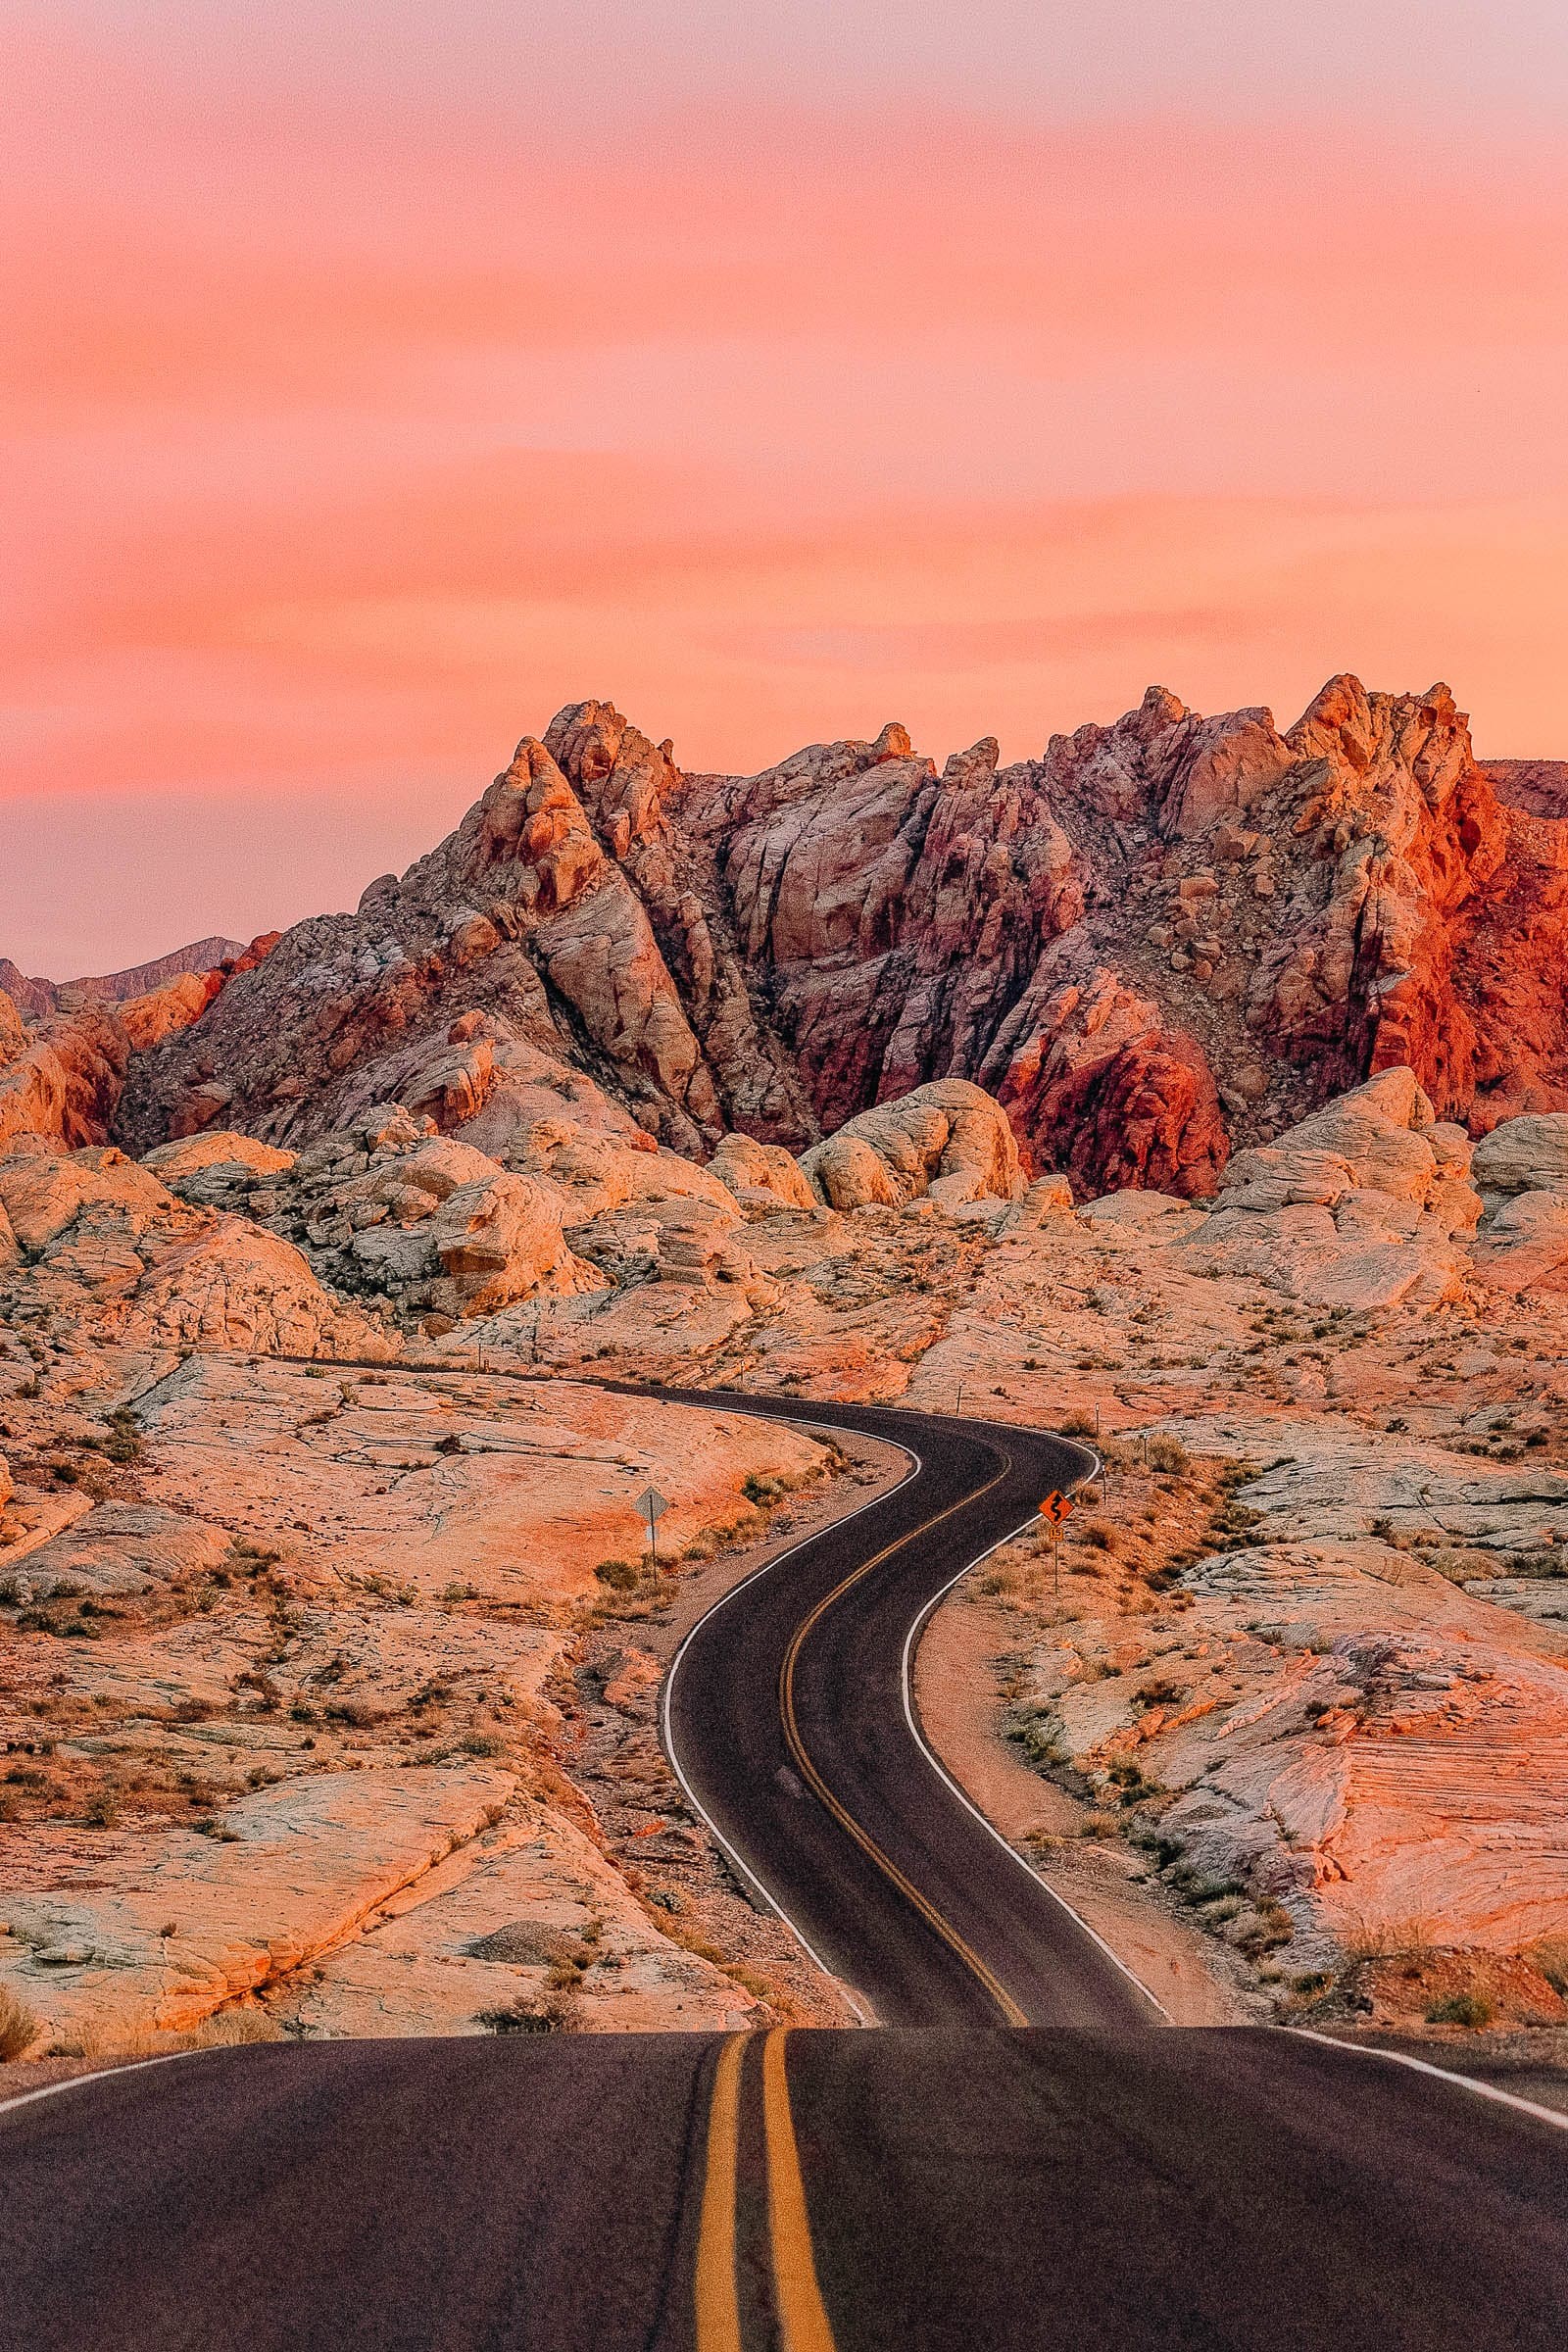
[44,1190]
[1524,1245]
[437,1167]
[231,1284]
[1352,1207]
[762,1175]
[501,1240]
[1048,1199]
[1526,1155]
[1378,1129]
[950,1140]
[192,1154]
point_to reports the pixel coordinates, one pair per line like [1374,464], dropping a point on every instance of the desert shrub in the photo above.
[19,2027]
[124,1441]
[1461,2009]
[551,2013]
[621,1576]
[1098,1826]
[1550,1957]
[1077,1425]
[1101,1534]
[1168,1454]
[228,2028]
[1390,1939]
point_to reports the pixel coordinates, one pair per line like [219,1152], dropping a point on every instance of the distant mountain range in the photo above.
[35,997]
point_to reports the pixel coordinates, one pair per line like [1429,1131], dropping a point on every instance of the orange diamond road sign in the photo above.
[1056,1508]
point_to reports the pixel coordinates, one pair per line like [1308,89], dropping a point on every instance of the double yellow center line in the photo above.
[802,2316]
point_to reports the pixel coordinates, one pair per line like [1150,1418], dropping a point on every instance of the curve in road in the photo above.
[788,1716]
[895,2192]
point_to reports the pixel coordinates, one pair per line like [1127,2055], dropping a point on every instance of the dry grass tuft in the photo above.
[110,2039]
[19,2027]
[1551,1956]
[1390,1939]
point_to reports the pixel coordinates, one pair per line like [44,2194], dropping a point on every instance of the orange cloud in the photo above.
[351,442]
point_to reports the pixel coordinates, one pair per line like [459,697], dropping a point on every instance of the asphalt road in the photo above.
[903,2191]
[1021,2160]
[787,1716]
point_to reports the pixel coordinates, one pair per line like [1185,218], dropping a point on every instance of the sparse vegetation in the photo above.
[19,2027]
[1471,2009]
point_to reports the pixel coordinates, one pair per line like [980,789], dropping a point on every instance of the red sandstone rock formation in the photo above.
[1162,938]
[38,997]
[61,1076]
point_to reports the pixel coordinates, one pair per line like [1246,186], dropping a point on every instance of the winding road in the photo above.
[1024,2154]
[829,1797]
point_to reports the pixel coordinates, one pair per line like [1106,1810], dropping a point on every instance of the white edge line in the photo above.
[864,2016]
[1424,2066]
[48,2090]
[940,1769]
[926,1611]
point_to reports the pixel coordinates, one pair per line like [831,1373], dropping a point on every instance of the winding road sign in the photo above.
[1056,1508]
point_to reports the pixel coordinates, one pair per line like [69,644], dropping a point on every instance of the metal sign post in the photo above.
[652,1507]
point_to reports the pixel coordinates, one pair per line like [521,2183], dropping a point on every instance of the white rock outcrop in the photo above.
[950,1140]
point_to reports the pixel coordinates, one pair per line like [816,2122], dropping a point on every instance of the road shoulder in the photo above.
[958,1671]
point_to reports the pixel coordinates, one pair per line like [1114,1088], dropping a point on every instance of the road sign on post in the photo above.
[652,1507]
[1056,1508]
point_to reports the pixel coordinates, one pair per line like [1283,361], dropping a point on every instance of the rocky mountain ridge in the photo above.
[1162,940]
[35,997]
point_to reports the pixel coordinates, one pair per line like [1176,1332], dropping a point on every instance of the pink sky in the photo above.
[389,377]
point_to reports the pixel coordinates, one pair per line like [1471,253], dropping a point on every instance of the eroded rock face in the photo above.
[518,910]
[109,1253]
[62,1078]
[307,1864]
[1159,939]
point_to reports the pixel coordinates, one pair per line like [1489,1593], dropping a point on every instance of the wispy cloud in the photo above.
[359,423]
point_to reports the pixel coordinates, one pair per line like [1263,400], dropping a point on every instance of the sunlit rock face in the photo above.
[1157,942]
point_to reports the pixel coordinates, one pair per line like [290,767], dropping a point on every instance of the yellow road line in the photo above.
[1011,2014]
[803,2319]
[718,2316]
